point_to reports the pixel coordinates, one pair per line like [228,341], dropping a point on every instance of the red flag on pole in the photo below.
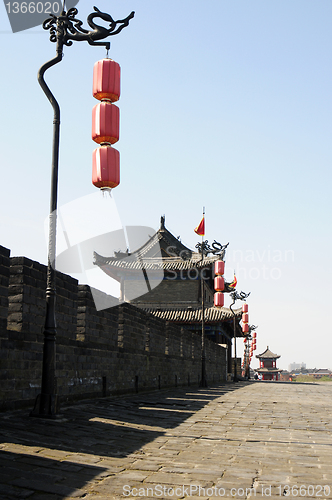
[234,282]
[200,229]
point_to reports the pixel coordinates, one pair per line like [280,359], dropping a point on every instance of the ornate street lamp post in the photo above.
[246,353]
[204,248]
[64,30]
[236,296]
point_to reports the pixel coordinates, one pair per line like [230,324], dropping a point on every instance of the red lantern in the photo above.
[219,283]
[105,123]
[245,340]
[254,335]
[254,347]
[245,317]
[105,167]
[106,80]
[219,299]
[219,267]
[244,308]
[245,328]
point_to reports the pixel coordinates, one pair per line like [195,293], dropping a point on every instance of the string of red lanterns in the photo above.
[254,336]
[219,283]
[106,124]
[245,318]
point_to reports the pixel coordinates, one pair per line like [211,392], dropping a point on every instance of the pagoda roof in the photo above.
[162,251]
[138,262]
[193,314]
[165,241]
[267,370]
[267,354]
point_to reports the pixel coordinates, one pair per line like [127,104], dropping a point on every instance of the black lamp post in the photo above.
[247,361]
[203,381]
[246,352]
[216,249]
[64,29]
[236,296]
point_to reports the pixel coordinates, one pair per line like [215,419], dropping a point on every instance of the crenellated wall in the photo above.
[113,351]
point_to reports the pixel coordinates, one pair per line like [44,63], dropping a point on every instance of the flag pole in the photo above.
[203,382]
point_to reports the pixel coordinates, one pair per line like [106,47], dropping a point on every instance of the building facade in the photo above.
[182,276]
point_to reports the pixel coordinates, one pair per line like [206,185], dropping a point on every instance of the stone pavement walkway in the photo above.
[241,440]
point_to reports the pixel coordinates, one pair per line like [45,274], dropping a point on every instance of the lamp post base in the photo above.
[203,381]
[46,406]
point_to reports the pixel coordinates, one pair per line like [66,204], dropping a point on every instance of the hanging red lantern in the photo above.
[245,317]
[105,123]
[105,167]
[254,348]
[245,308]
[219,283]
[219,299]
[106,80]
[219,267]
[254,335]
[245,328]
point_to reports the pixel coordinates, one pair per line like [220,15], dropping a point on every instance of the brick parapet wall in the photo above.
[4,283]
[27,306]
[112,351]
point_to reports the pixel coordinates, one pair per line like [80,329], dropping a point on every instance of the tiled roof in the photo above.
[193,314]
[135,262]
[162,251]
[268,354]
[163,239]
[267,370]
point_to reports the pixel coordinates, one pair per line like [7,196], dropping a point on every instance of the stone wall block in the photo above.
[4,284]
[112,351]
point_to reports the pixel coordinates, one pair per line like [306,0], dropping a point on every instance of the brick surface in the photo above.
[244,440]
[117,350]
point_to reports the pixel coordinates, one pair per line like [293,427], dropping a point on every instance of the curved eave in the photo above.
[213,315]
[267,370]
[260,356]
[135,263]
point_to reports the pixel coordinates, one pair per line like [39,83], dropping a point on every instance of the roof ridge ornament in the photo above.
[216,248]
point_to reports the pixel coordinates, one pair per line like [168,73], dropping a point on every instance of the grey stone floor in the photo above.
[241,440]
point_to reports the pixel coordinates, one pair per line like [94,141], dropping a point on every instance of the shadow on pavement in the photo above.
[110,427]
[23,475]
[57,458]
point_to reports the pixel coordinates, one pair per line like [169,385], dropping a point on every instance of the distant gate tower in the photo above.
[267,365]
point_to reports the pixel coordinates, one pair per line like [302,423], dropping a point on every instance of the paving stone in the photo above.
[243,435]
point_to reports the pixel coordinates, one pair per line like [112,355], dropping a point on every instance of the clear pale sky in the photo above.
[224,104]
